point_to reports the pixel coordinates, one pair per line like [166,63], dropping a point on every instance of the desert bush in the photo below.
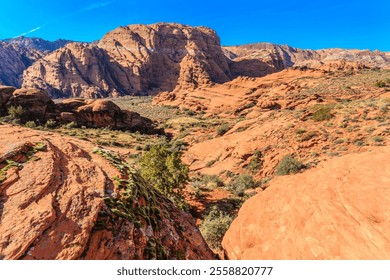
[322,114]
[214,227]
[222,129]
[51,124]
[30,124]
[380,84]
[211,181]
[307,136]
[300,130]
[359,143]
[378,139]
[241,183]
[255,163]
[163,168]
[71,125]
[289,165]
[15,112]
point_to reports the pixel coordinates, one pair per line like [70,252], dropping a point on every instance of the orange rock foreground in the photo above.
[58,200]
[337,211]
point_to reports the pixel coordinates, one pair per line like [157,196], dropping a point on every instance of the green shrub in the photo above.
[163,168]
[214,227]
[211,181]
[241,183]
[380,84]
[250,105]
[51,124]
[30,124]
[256,163]
[15,112]
[71,125]
[359,143]
[222,129]
[378,139]
[289,165]
[300,130]
[307,136]
[322,114]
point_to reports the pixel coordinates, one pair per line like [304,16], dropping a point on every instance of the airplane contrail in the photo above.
[91,7]
[28,32]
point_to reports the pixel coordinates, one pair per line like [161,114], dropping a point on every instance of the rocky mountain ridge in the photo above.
[13,61]
[133,60]
[37,43]
[280,57]
[17,54]
[150,59]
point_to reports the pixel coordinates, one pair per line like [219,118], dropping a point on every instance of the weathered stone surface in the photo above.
[5,95]
[337,211]
[55,206]
[38,43]
[256,60]
[137,59]
[13,61]
[38,107]
[35,103]
[101,113]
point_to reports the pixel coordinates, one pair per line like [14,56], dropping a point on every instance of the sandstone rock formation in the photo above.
[37,43]
[17,54]
[101,113]
[336,211]
[256,60]
[137,59]
[35,103]
[150,59]
[13,61]
[38,107]
[5,95]
[273,115]
[59,200]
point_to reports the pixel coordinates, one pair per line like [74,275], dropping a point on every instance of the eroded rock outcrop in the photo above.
[36,104]
[38,107]
[14,60]
[256,60]
[101,113]
[37,43]
[61,198]
[137,59]
[338,211]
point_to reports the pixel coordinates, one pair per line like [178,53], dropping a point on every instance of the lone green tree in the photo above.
[163,168]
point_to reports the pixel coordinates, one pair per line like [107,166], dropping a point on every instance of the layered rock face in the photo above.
[137,59]
[38,107]
[256,60]
[17,54]
[14,60]
[59,199]
[38,43]
[337,211]
[149,59]
[36,104]
[101,113]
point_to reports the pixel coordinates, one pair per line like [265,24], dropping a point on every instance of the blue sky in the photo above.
[300,23]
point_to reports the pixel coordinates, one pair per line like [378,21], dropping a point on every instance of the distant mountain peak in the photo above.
[38,43]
